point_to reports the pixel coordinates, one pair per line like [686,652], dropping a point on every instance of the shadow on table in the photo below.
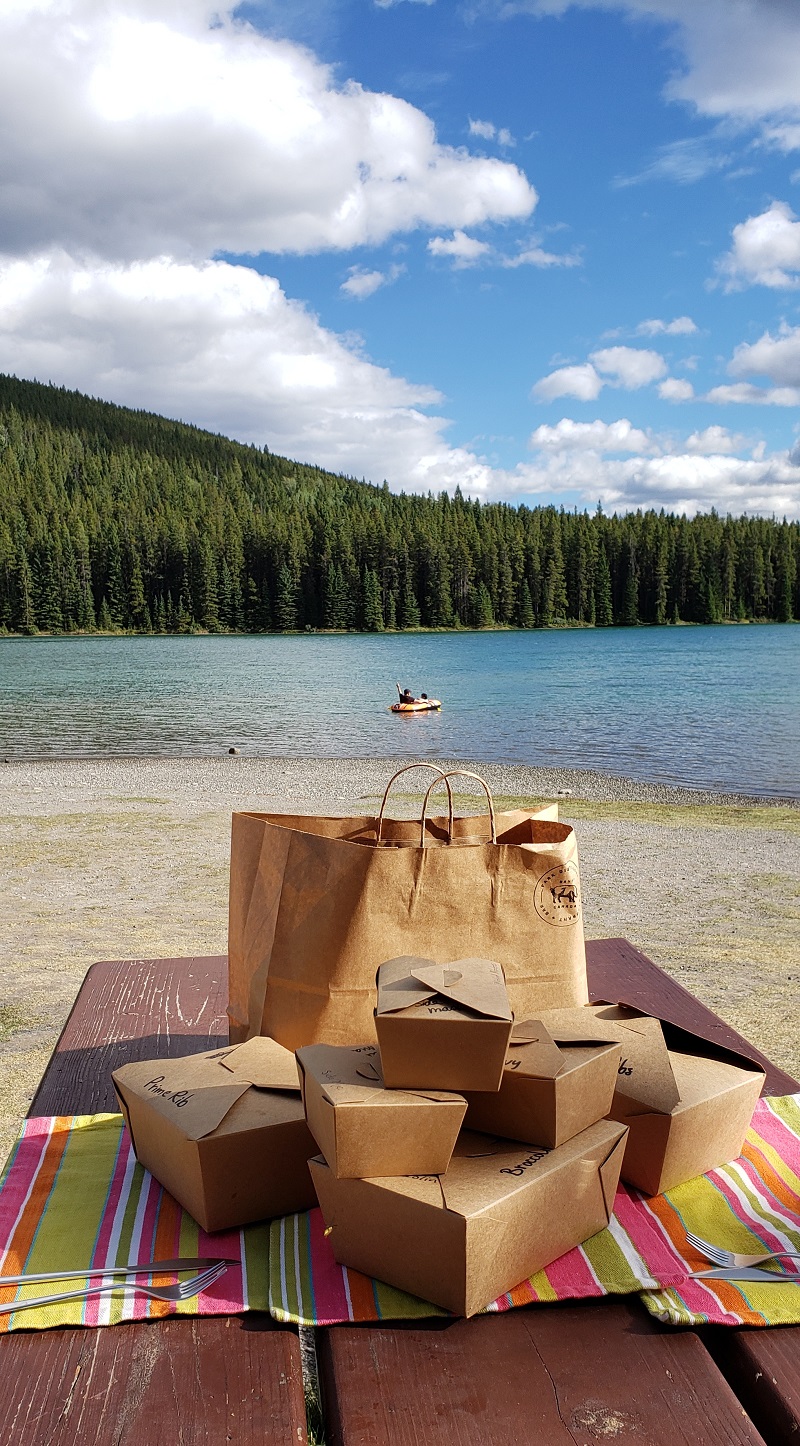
[78,1081]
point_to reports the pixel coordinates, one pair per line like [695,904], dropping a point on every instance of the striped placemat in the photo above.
[73,1196]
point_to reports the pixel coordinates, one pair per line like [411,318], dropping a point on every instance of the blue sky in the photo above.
[545,250]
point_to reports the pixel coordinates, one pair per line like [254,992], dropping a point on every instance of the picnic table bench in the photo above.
[555,1375]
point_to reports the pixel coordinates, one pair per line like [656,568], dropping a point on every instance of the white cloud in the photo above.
[488,131]
[576,381]
[223,347]
[536,256]
[141,128]
[750,395]
[714,441]
[675,389]
[689,477]
[463,250]
[765,251]
[629,366]
[362,283]
[601,437]
[776,357]
[680,326]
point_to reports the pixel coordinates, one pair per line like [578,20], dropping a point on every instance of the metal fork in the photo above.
[184,1290]
[733,1257]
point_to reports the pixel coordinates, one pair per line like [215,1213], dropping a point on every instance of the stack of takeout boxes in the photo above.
[460,1216]
[464,1151]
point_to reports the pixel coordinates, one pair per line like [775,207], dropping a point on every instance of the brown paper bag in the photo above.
[316,904]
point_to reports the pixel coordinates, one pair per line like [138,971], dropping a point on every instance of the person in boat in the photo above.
[407,696]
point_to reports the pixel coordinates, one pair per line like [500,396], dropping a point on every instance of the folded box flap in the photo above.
[344,1067]
[645,1072]
[264,1063]
[533,1052]
[192,1093]
[398,986]
[609,1173]
[579,1026]
[478,984]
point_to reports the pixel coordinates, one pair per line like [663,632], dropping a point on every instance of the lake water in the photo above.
[714,707]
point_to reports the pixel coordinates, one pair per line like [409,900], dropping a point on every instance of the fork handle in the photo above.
[11,1306]
[152,1267]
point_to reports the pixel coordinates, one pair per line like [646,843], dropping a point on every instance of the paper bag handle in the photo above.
[445,778]
[407,769]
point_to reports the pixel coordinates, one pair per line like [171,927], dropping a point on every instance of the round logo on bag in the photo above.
[557,897]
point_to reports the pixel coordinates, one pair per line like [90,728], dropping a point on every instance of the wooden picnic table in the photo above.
[555,1375]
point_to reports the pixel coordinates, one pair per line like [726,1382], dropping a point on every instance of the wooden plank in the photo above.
[197,1382]
[193,1382]
[554,1376]
[617,969]
[128,1010]
[763,1367]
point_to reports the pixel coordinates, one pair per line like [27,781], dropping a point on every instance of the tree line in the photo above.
[115,520]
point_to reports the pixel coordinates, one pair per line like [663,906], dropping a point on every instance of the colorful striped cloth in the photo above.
[749,1205]
[73,1196]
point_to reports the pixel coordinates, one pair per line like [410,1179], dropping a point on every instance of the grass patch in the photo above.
[779,817]
[11,1019]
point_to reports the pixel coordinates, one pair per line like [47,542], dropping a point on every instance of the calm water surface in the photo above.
[708,707]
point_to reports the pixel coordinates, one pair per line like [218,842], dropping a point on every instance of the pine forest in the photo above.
[113,520]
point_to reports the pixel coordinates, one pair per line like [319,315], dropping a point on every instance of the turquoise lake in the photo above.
[713,707]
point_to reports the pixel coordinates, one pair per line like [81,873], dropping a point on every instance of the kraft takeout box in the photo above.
[224,1131]
[559,1078]
[686,1102]
[442,1026]
[502,1211]
[362,1128]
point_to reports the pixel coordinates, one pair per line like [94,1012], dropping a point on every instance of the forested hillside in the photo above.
[116,520]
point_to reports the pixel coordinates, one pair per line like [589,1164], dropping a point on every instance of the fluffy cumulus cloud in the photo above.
[361,282]
[625,468]
[143,128]
[461,249]
[599,437]
[221,346]
[765,251]
[580,381]
[629,367]
[675,389]
[775,357]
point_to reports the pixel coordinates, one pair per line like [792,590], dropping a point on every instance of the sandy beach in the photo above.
[128,858]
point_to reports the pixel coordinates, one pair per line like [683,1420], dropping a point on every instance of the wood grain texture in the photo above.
[167,1383]
[763,1367]
[554,1376]
[129,1010]
[616,969]
[199,1382]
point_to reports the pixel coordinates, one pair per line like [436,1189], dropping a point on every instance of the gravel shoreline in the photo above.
[328,784]
[123,858]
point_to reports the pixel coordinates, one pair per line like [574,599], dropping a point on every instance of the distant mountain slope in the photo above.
[120,520]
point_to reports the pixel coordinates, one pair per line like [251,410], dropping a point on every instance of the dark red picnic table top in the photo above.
[556,1375]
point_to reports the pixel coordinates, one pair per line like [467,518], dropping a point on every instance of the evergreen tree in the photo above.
[286,600]
[373,612]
